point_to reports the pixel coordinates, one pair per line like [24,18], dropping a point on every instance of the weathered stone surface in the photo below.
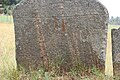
[70,30]
[116,45]
[116,50]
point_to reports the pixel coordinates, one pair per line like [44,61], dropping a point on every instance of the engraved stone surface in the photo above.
[71,30]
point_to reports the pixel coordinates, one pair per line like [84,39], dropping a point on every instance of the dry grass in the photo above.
[7,47]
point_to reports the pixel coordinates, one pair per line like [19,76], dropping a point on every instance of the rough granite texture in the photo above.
[116,50]
[116,45]
[70,30]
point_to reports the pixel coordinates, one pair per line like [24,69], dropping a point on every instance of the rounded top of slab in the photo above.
[49,8]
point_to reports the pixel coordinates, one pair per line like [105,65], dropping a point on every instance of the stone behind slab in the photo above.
[116,49]
[70,30]
[116,45]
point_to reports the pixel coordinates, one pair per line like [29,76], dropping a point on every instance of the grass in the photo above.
[6,19]
[7,49]
[114,26]
[8,69]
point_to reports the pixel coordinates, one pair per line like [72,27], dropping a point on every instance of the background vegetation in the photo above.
[9,5]
[114,20]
